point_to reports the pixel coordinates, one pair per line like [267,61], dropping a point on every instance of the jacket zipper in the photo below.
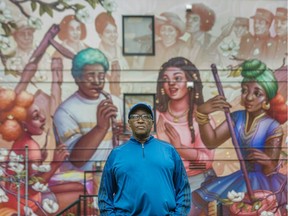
[143,154]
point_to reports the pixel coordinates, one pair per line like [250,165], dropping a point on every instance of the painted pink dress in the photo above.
[204,156]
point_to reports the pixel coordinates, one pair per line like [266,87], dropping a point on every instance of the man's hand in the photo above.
[60,153]
[105,111]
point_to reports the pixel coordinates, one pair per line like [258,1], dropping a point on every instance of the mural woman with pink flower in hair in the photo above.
[259,134]
[21,119]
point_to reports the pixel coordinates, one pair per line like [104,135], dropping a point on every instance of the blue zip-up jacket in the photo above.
[145,180]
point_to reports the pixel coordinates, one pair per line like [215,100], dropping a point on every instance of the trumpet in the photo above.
[115,140]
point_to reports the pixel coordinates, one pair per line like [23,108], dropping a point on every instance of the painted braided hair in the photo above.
[195,94]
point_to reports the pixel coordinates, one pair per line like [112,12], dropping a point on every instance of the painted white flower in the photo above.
[109,5]
[35,22]
[229,49]
[95,203]
[41,168]
[3,152]
[50,206]
[83,15]
[267,213]
[16,167]
[3,196]
[256,52]
[1,171]
[29,212]
[15,158]
[40,187]
[235,197]
[4,42]
[14,63]
[257,207]
[5,13]
[34,167]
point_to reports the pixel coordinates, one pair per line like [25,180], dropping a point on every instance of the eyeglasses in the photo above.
[144,117]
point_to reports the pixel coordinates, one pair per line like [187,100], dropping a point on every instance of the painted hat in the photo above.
[262,13]
[168,18]
[241,21]
[207,15]
[281,13]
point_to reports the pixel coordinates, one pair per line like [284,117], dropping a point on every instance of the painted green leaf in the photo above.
[41,10]
[79,6]
[92,3]
[33,5]
[6,28]
[48,10]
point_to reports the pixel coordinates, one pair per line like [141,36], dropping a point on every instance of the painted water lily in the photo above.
[3,196]
[267,213]
[13,157]
[29,212]
[109,5]
[3,152]
[50,206]
[16,167]
[41,168]
[40,187]
[235,197]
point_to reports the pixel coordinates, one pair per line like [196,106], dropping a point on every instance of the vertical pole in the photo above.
[26,176]
[18,196]
[233,136]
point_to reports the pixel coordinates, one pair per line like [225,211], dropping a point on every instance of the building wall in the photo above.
[224,33]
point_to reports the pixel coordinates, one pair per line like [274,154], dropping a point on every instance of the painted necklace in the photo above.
[176,117]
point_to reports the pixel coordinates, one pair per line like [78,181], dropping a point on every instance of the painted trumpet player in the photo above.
[258,188]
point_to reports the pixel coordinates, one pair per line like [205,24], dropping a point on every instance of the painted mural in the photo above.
[63,77]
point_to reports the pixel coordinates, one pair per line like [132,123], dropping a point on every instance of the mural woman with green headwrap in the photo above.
[259,134]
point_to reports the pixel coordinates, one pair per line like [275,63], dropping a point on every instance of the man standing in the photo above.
[255,46]
[144,176]
[83,120]
[278,50]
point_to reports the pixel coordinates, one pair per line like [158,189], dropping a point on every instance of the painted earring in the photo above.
[266,106]
[195,76]
[25,129]
[162,91]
